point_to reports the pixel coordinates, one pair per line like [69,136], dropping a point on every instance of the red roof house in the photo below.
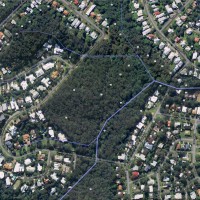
[135,174]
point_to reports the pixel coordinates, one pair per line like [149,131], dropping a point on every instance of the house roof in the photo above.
[135,174]
[26,137]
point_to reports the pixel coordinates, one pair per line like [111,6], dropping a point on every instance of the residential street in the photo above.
[128,182]
[13,12]
[168,23]
[173,46]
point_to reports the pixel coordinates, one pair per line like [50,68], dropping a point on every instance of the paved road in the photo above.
[173,46]
[194,142]
[49,158]
[128,182]
[158,181]
[167,24]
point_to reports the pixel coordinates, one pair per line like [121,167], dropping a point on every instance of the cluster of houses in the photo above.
[164,15]
[140,128]
[34,116]
[183,146]
[174,107]
[190,32]
[150,156]
[189,72]
[150,143]
[121,186]
[12,133]
[140,189]
[90,10]
[74,21]
[176,176]
[173,57]
[29,86]
[61,164]
[12,172]
[152,100]
[166,49]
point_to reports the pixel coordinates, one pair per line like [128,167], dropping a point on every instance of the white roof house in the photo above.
[46,82]
[140,125]
[160,15]
[8,137]
[57,50]
[122,157]
[178,1]
[198,111]
[39,167]
[178,196]
[82,26]
[162,45]
[54,176]
[63,181]
[138,196]
[184,109]
[41,88]
[151,188]
[189,31]
[48,66]
[24,85]
[105,23]
[18,167]
[31,78]
[140,13]
[13,130]
[91,8]
[194,56]
[153,99]
[34,94]
[83,5]
[62,137]
[30,169]
[166,51]
[39,73]
[28,99]
[27,161]
[51,132]
[40,115]
[133,137]
[168,9]
[136,5]
[8,181]
[171,56]
[94,35]
[141,156]
[1,174]
[174,6]
[146,32]
[162,19]
[193,195]
[67,160]
[24,188]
